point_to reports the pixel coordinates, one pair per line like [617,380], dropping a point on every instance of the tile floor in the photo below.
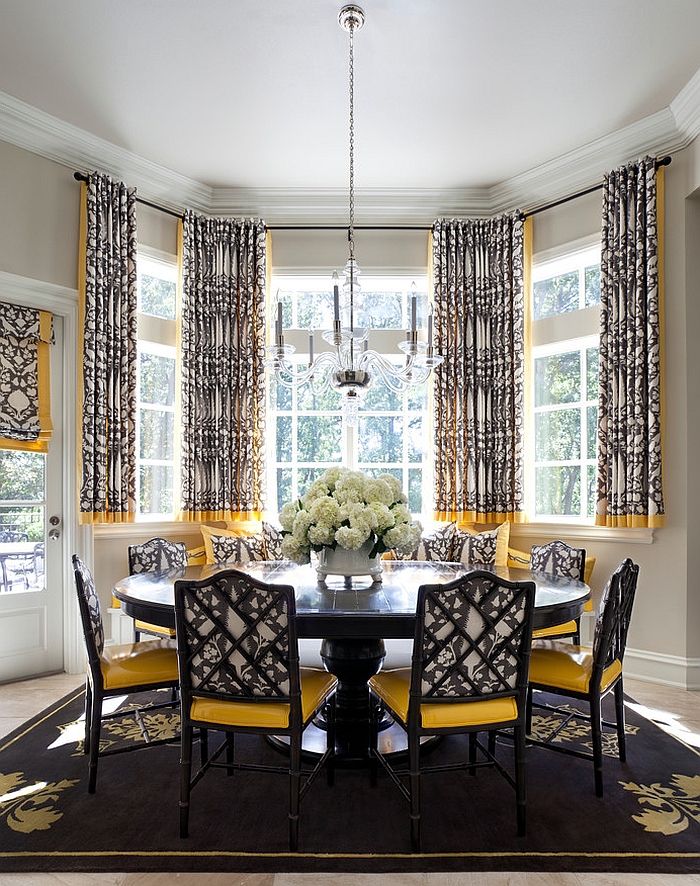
[674,709]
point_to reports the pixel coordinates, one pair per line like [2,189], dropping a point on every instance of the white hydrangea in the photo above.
[346,508]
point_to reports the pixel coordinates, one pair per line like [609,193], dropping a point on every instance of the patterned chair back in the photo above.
[558,558]
[90,614]
[473,638]
[10,535]
[157,555]
[614,615]
[236,639]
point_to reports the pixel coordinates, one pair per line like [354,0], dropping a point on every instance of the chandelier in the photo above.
[350,367]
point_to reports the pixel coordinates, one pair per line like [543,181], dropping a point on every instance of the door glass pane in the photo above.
[22,520]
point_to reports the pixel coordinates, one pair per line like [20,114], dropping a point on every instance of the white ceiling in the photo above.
[449,94]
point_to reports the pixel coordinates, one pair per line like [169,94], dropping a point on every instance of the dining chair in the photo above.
[22,561]
[558,558]
[156,555]
[117,670]
[468,674]
[239,673]
[588,674]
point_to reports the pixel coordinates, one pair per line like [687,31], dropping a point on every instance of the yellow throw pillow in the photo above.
[488,548]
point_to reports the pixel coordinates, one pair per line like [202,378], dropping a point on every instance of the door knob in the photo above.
[54,534]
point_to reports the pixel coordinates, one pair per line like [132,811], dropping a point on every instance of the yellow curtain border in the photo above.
[216,516]
[475,517]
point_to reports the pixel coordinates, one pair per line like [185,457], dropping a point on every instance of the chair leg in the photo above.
[528,712]
[597,740]
[294,785]
[88,715]
[414,779]
[330,739]
[520,779]
[94,739]
[620,720]
[373,740]
[185,776]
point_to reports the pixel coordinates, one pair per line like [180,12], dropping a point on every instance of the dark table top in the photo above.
[383,609]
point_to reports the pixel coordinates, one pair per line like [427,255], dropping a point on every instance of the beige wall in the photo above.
[39,239]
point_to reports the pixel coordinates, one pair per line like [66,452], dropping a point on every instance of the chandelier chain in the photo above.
[351,72]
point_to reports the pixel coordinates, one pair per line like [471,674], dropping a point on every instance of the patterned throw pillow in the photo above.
[237,548]
[272,538]
[435,545]
[485,548]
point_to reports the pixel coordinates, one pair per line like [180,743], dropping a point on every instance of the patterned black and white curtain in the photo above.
[109,312]
[629,479]
[25,408]
[478,271]
[223,377]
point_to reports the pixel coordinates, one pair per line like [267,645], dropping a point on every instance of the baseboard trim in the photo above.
[668,670]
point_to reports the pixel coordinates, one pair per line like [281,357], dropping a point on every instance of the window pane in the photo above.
[328,401]
[284,486]
[281,397]
[156,489]
[308,475]
[315,309]
[592,374]
[158,297]
[318,438]
[381,398]
[380,438]
[157,379]
[591,472]
[557,295]
[592,428]
[415,490]
[558,435]
[559,490]
[157,434]
[381,310]
[284,438]
[557,379]
[592,283]
[415,437]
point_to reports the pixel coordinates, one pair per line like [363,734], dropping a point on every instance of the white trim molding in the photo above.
[667,670]
[666,131]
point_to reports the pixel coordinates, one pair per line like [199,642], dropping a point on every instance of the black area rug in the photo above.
[648,821]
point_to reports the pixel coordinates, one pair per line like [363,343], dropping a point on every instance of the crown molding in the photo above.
[686,109]
[666,131]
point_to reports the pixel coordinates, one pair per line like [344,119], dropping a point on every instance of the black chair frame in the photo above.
[204,595]
[609,644]
[519,644]
[95,692]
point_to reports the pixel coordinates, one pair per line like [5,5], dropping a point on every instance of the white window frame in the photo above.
[158,336]
[559,334]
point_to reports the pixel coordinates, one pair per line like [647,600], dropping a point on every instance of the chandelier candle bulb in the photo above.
[413,313]
[311,346]
[430,329]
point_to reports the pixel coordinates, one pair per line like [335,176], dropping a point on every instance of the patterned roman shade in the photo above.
[25,414]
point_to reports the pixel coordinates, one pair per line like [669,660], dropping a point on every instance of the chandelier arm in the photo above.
[397,378]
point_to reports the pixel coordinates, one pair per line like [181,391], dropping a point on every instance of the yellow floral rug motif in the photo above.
[577,730]
[158,725]
[671,808]
[30,807]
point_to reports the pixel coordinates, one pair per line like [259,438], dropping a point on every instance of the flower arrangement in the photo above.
[345,508]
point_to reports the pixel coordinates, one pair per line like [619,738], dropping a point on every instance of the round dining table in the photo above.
[352,618]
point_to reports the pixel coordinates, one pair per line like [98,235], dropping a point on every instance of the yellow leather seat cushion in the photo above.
[393,687]
[569,627]
[135,664]
[316,686]
[568,667]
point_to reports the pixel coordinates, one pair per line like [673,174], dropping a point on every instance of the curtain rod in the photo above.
[81,177]
[663,161]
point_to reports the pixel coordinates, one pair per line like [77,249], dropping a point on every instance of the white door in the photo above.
[31,547]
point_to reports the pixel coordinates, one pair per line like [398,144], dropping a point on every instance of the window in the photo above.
[565,306]
[308,434]
[156,380]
